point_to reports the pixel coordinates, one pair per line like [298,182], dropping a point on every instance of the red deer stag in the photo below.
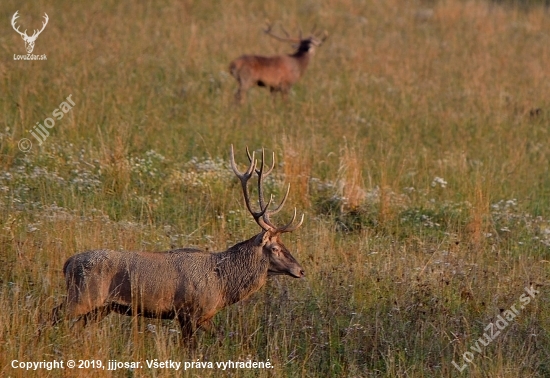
[188,284]
[279,72]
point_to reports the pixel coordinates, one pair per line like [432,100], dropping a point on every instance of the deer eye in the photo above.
[276,249]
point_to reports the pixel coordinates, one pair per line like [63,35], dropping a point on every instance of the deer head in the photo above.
[29,40]
[301,44]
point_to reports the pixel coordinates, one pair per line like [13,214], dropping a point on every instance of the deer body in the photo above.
[279,73]
[188,284]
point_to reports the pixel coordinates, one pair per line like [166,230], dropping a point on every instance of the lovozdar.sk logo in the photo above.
[29,40]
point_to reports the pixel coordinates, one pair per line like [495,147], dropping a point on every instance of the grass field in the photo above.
[416,144]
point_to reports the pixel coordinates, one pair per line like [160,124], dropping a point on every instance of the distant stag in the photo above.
[188,284]
[279,72]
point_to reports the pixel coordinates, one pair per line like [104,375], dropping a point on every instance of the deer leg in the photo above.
[187,330]
[79,312]
[54,315]
[273,91]
[240,95]
[96,315]
[70,310]
[50,320]
[82,320]
[82,308]
[244,86]
[284,93]
[209,326]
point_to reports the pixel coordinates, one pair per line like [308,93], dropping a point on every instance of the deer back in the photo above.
[160,280]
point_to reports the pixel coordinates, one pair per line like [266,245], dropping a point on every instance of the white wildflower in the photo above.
[440,181]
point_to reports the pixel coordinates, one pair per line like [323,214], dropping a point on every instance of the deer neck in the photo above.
[302,59]
[242,270]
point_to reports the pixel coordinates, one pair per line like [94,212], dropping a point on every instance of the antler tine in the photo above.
[276,210]
[257,170]
[313,30]
[46,19]
[284,31]
[272,164]
[269,26]
[260,188]
[288,227]
[261,175]
[251,168]
[318,40]
[37,32]
[270,33]
[244,177]
[13,19]
[247,153]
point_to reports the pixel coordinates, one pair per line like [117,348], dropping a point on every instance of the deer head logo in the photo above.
[29,41]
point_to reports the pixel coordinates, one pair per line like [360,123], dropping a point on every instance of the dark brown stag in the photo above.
[280,72]
[188,284]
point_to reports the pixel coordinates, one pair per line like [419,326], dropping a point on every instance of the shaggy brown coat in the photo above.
[187,284]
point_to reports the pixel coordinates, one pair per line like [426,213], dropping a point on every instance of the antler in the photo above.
[324,36]
[261,175]
[262,217]
[36,32]
[318,40]
[24,34]
[257,170]
[15,17]
[282,39]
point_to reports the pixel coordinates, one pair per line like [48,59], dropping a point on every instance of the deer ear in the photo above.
[263,238]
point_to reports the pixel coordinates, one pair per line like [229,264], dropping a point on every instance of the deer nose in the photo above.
[302,273]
